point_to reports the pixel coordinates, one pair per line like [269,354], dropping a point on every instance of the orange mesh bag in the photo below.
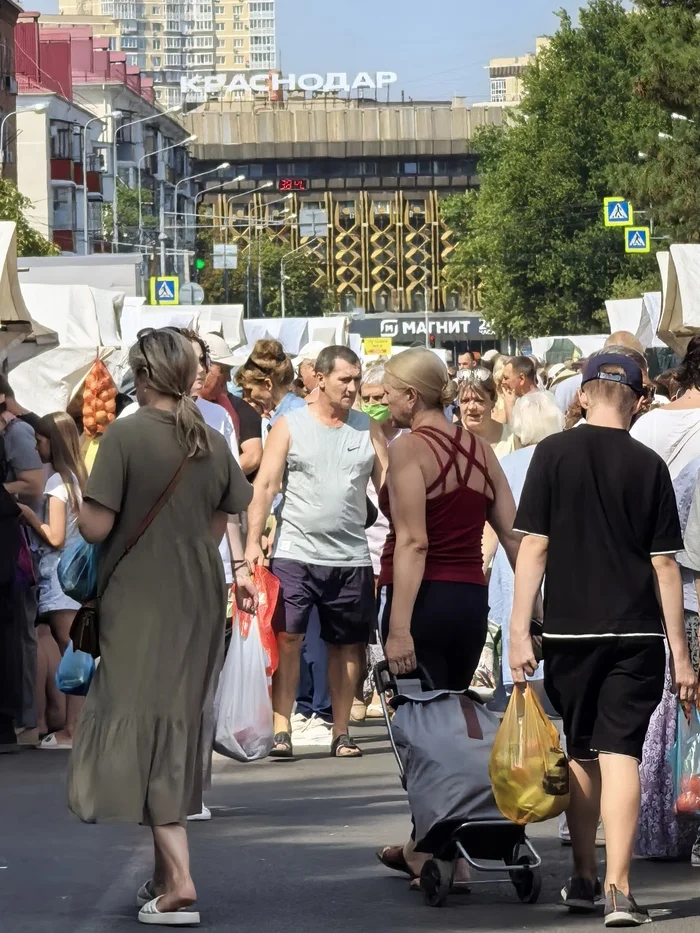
[99,400]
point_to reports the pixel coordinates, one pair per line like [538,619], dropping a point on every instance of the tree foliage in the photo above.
[128,215]
[304,298]
[599,94]
[13,206]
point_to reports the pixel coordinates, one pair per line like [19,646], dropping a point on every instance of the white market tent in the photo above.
[73,326]
[680,308]
[15,323]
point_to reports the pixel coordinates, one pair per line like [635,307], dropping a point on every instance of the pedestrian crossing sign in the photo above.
[618,212]
[637,240]
[165,290]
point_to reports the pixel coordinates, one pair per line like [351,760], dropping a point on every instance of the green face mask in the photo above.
[376,411]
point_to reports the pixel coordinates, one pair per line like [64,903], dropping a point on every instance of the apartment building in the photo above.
[73,94]
[172,39]
[506,75]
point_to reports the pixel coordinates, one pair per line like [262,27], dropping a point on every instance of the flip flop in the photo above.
[149,913]
[392,857]
[344,741]
[145,893]
[51,743]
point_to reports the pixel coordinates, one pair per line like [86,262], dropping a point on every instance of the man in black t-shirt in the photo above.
[599,517]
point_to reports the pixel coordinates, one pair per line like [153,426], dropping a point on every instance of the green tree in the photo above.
[304,297]
[13,206]
[128,215]
[534,233]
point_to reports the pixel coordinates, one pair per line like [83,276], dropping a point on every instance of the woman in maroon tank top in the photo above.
[443,485]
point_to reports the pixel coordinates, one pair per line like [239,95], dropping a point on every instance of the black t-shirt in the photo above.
[251,422]
[606,504]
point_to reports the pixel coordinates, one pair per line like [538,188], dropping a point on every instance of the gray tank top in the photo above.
[324,506]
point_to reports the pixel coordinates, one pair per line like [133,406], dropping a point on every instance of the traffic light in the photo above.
[431,341]
[199,264]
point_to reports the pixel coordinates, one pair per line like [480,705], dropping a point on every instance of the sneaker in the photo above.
[201,817]
[300,723]
[317,732]
[622,911]
[581,895]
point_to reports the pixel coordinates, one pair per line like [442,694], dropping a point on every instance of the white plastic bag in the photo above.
[242,707]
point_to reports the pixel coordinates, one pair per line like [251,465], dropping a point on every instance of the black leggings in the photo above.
[449,626]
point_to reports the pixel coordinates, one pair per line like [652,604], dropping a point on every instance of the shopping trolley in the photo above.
[470,826]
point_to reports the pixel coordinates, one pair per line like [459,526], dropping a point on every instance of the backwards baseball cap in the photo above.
[631,374]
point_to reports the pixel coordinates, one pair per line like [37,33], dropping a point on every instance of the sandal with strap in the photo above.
[282,746]
[184,917]
[344,741]
[145,893]
[392,857]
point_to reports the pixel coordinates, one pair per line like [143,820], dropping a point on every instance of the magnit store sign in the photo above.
[409,327]
[332,82]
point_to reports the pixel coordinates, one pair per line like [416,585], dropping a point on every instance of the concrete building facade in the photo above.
[506,75]
[377,170]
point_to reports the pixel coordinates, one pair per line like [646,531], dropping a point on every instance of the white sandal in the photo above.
[145,893]
[149,913]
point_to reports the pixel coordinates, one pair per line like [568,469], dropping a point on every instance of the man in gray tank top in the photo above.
[322,457]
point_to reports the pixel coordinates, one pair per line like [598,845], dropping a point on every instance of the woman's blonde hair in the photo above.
[267,361]
[60,431]
[536,416]
[425,372]
[168,363]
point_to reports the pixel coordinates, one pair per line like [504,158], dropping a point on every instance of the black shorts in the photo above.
[344,597]
[448,627]
[605,690]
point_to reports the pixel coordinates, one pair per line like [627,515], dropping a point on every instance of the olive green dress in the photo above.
[137,754]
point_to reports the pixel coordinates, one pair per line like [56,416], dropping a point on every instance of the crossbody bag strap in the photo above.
[149,518]
[156,508]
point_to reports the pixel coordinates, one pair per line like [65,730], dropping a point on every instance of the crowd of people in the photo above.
[403,509]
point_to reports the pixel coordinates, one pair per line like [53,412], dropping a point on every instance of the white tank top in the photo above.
[324,505]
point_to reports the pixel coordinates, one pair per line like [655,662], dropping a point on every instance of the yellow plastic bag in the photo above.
[528,769]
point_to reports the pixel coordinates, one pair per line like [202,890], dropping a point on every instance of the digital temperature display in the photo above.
[294,184]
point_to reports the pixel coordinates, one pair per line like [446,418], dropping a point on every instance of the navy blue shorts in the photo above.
[344,597]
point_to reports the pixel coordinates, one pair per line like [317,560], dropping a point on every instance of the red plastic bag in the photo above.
[268,587]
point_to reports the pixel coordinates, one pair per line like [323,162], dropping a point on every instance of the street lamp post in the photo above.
[117,130]
[190,139]
[114,115]
[211,171]
[37,108]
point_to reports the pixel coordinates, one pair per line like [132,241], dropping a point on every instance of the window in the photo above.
[220,60]
[255,171]
[142,45]
[264,6]
[219,27]
[155,11]
[238,43]
[203,25]
[219,10]
[113,44]
[498,90]
[156,45]
[155,61]
[239,27]
[132,61]
[63,208]
[409,168]
[220,43]
[238,60]
[61,140]
[157,27]
[173,59]
[238,11]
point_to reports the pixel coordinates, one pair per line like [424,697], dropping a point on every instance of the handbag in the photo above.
[85,630]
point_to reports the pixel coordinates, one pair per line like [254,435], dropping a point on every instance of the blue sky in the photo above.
[435,55]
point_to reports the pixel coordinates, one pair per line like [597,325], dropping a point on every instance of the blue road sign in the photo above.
[637,240]
[618,212]
[164,290]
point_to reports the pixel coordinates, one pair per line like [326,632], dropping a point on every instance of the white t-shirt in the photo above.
[56,487]
[218,418]
[674,434]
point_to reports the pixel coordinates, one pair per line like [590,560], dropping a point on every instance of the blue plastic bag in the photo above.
[75,672]
[685,762]
[77,571]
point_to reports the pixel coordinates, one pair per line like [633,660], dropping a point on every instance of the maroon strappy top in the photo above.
[454,520]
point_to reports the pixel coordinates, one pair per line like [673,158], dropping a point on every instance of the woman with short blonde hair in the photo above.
[478,397]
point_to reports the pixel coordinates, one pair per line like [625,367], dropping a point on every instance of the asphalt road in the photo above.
[291,848]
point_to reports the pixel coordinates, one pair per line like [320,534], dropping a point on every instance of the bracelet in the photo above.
[240,565]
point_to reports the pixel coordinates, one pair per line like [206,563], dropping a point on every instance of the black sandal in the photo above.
[344,741]
[282,746]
